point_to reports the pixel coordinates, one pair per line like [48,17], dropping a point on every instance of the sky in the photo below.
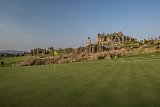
[28,24]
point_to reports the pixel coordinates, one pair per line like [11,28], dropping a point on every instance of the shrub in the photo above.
[2,63]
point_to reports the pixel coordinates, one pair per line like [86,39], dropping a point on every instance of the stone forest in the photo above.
[108,46]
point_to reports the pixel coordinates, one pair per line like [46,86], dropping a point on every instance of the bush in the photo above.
[2,63]
[158,43]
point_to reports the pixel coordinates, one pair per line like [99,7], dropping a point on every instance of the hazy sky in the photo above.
[27,24]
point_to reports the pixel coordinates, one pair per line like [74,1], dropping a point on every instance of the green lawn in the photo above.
[125,82]
[10,61]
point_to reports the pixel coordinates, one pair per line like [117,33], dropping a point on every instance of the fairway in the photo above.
[124,82]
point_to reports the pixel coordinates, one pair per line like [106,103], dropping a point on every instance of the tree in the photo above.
[145,41]
[32,52]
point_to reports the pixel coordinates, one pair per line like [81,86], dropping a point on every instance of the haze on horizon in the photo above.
[28,24]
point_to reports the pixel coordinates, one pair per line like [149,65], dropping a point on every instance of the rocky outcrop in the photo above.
[111,38]
[109,46]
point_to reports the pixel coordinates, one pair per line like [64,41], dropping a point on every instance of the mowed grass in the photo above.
[10,61]
[125,82]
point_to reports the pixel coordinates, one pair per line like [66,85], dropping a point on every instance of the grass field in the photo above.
[125,82]
[10,61]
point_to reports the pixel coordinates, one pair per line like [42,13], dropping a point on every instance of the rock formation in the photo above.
[89,41]
[108,46]
[112,38]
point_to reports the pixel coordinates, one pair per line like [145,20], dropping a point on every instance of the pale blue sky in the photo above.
[27,24]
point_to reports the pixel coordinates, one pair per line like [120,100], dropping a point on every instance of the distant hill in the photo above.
[11,52]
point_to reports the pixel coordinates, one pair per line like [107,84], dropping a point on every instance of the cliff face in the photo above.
[108,39]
